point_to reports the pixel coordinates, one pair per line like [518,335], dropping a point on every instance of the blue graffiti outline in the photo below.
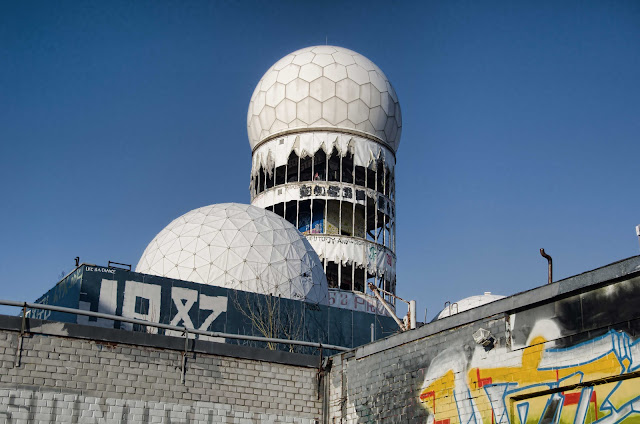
[606,405]
[525,406]
[558,412]
[584,390]
[621,346]
[473,410]
[504,402]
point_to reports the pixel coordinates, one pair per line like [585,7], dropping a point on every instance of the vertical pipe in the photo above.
[412,314]
[373,332]
[549,264]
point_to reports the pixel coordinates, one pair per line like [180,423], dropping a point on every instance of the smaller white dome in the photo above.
[240,247]
[469,303]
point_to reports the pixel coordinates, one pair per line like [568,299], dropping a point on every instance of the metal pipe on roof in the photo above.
[550,263]
[170,327]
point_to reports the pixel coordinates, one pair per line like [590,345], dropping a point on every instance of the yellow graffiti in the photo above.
[439,395]
[442,388]
[529,373]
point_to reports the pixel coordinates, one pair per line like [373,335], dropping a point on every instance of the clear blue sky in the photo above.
[521,126]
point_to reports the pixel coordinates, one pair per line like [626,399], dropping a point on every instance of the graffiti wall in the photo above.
[573,358]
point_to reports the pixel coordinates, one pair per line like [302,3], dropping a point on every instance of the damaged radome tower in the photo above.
[324,125]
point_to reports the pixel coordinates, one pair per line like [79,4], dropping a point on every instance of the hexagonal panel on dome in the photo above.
[318,79]
[240,247]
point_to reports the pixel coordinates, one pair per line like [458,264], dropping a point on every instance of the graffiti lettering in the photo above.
[141,301]
[101,269]
[42,406]
[536,368]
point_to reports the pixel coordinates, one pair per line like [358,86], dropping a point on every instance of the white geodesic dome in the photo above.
[240,247]
[469,303]
[325,87]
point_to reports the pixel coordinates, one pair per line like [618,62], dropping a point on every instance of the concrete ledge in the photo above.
[110,335]
[626,268]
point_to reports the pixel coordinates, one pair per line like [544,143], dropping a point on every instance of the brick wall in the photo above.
[71,373]
[567,352]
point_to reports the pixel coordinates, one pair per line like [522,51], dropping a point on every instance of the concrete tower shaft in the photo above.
[326,163]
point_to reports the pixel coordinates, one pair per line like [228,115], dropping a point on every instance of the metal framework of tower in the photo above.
[339,196]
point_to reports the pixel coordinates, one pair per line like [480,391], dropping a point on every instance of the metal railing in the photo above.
[25,305]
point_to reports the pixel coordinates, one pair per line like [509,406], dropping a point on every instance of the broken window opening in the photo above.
[334,166]
[346,277]
[371,179]
[292,168]
[304,216]
[361,176]
[371,220]
[291,213]
[380,228]
[387,232]
[317,223]
[359,224]
[320,166]
[380,177]
[332,274]
[358,279]
[281,174]
[261,178]
[278,208]
[387,181]
[333,217]
[346,219]
[306,163]
[347,168]
[270,180]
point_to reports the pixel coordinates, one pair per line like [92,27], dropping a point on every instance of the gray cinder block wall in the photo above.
[567,352]
[72,373]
